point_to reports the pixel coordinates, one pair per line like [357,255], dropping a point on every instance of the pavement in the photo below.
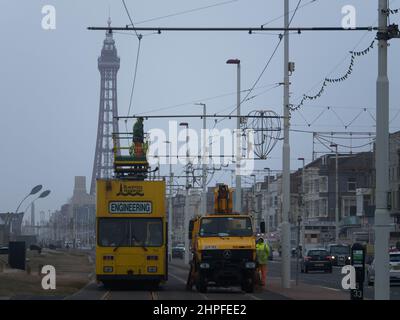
[328,281]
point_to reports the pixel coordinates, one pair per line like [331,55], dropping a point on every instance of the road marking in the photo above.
[178,278]
[105,296]
[333,289]
[183,281]
[252,296]
[79,291]
[153,295]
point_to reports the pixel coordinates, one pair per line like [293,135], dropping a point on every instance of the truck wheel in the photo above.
[189,282]
[248,285]
[201,285]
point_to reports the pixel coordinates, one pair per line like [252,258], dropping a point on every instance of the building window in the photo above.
[351,184]
[323,207]
[323,184]
[349,207]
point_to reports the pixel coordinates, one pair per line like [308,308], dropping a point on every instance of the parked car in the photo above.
[316,260]
[178,252]
[3,250]
[394,269]
[35,247]
[340,254]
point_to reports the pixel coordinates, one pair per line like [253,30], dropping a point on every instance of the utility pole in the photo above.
[336,192]
[269,205]
[256,215]
[170,208]
[238,196]
[298,255]
[303,206]
[186,211]
[382,219]
[285,227]
[204,165]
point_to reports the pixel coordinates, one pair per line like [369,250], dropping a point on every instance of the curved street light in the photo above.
[44,194]
[34,191]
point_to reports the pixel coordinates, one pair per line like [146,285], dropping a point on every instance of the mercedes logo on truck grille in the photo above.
[227,254]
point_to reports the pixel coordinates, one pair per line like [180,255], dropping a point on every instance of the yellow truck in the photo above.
[223,247]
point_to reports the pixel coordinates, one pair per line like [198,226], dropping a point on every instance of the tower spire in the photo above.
[108,64]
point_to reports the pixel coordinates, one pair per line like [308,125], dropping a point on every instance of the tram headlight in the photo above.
[108,269]
[151,269]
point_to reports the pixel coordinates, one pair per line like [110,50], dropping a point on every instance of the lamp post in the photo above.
[44,194]
[238,198]
[8,222]
[204,165]
[303,207]
[186,211]
[285,226]
[170,221]
[382,217]
[268,193]
[299,220]
[334,145]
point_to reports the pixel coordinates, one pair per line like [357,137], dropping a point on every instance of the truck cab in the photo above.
[223,247]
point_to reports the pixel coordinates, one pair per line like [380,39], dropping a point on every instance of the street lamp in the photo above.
[8,221]
[238,198]
[303,207]
[299,220]
[44,194]
[170,221]
[334,145]
[204,165]
[186,213]
[269,194]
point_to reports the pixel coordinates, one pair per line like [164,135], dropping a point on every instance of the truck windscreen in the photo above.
[130,232]
[340,250]
[224,227]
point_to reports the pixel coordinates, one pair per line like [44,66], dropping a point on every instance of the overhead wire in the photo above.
[266,65]
[187,11]
[139,37]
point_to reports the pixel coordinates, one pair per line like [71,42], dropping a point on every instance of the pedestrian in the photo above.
[262,251]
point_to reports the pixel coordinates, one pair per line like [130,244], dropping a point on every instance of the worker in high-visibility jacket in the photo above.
[262,251]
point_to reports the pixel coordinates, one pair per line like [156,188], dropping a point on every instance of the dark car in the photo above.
[316,260]
[3,250]
[178,252]
[340,254]
[35,247]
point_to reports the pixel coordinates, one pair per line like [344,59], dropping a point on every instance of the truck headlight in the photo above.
[108,269]
[250,265]
[204,265]
[151,269]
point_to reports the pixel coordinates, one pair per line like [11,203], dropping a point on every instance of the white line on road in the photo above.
[333,289]
[105,296]
[183,281]
[251,296]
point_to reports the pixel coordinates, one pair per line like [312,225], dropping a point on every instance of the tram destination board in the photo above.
[130,207]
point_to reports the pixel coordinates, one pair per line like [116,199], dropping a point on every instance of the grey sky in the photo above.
[50,83]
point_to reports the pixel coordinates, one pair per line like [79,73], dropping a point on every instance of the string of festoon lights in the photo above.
[391,11]
[327,81]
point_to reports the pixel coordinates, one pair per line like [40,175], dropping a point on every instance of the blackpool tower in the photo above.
[108,64]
